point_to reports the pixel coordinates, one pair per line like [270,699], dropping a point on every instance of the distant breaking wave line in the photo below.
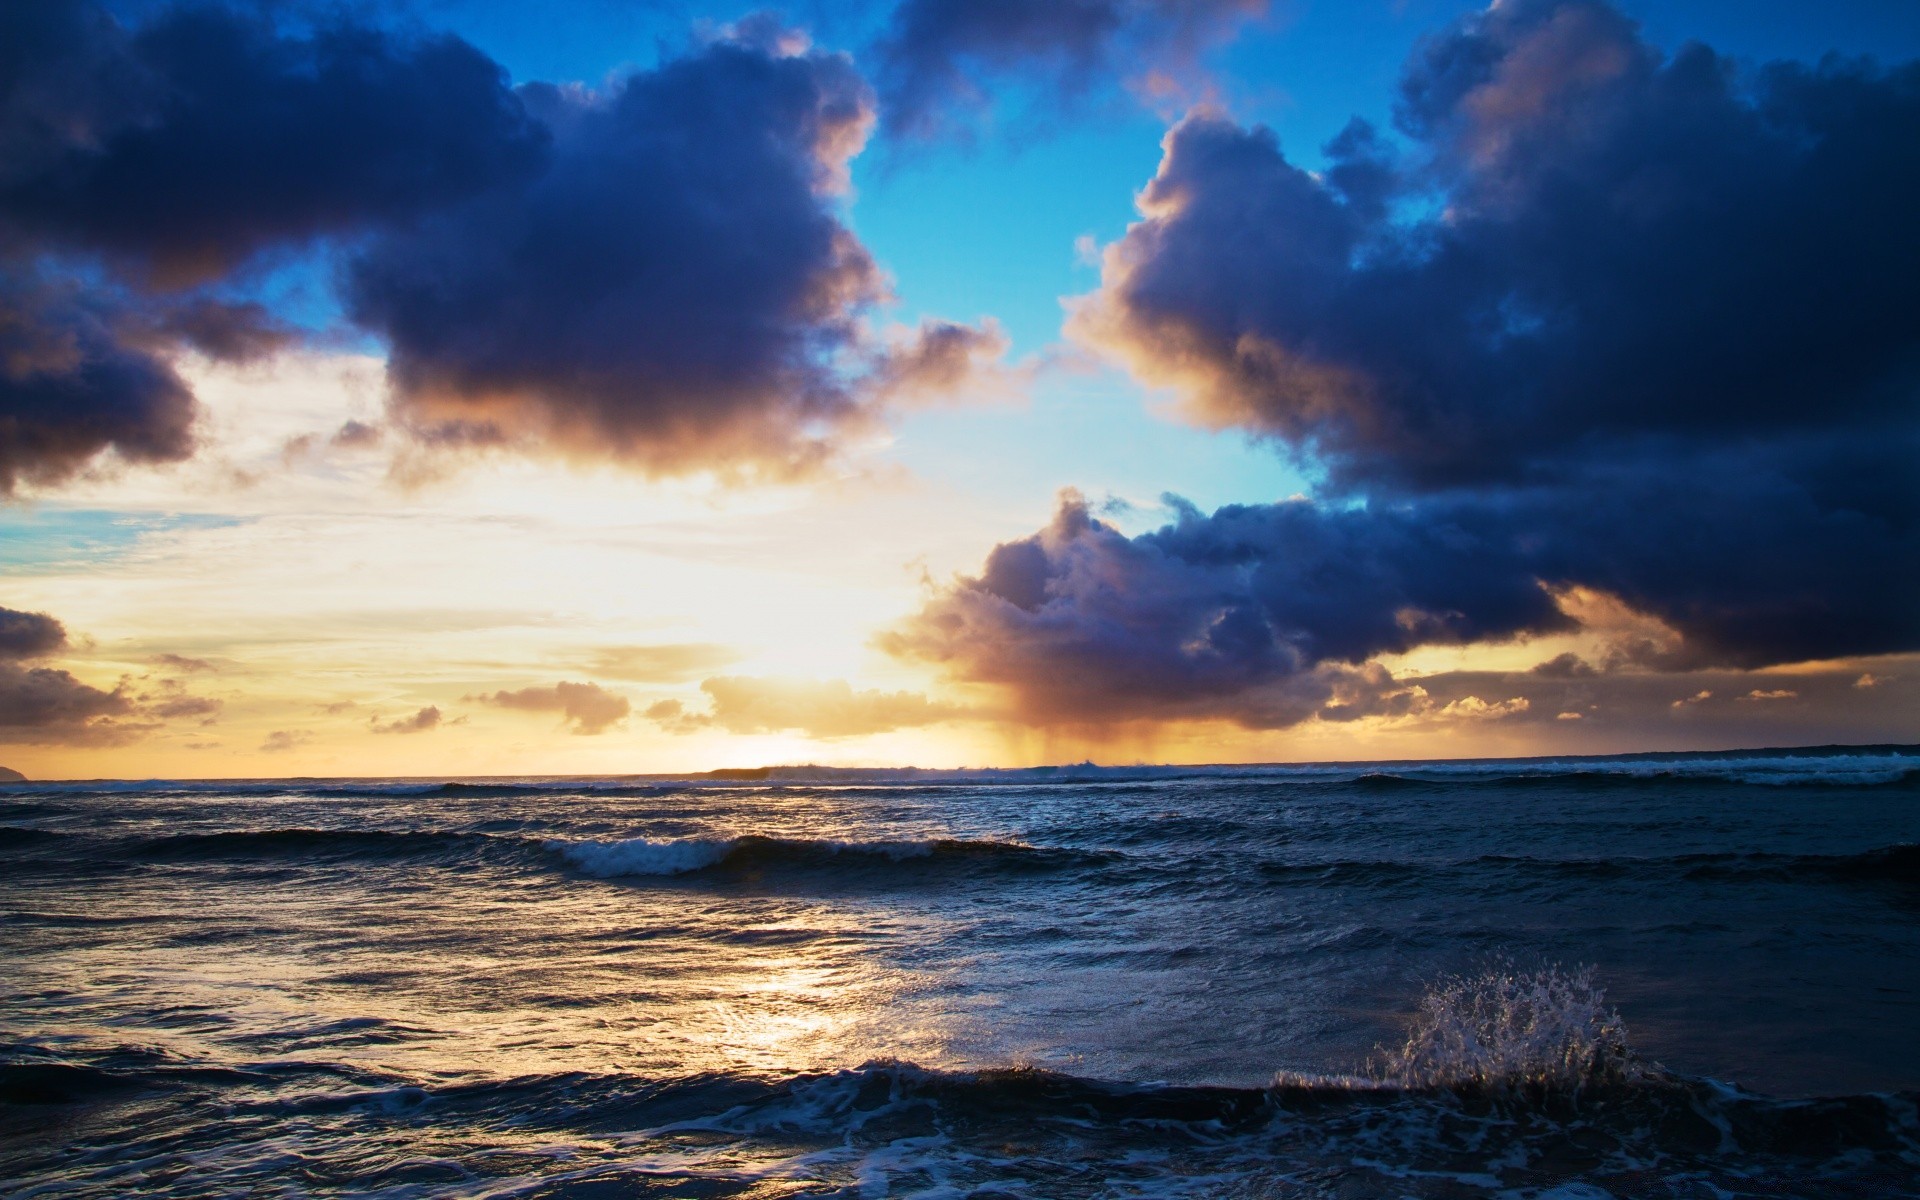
[679,856]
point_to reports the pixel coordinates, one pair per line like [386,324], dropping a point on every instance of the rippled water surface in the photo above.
[1057,983]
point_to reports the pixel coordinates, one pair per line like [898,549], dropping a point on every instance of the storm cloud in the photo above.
[940,62]
[1593,318]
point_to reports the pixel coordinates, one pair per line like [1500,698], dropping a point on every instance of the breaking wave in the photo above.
[670,856]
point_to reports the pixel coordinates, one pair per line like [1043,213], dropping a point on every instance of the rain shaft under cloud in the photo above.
[1597,318]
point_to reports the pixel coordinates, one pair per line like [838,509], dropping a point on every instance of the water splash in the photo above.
[1547,1030]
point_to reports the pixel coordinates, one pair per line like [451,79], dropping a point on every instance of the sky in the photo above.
[470,388]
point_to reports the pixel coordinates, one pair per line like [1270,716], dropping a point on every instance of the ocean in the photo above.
[1662,975]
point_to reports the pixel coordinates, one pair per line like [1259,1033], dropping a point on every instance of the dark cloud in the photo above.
[139,160]
[29,635]
[230,332]
[822,709]
[1257,613]
[654,273]
[587,707]
[941,63]
[46,706]
[1584,249]
[1260,613]
[420,722]
[675,292]
[75,381]
[1597,320]
[182,146]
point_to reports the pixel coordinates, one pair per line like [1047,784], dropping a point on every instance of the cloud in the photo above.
[281,740]
[46,706]
[653,273]
[674,292]
[821,709]
[29,635]
[942,63]
[1256,613]
[179,148]
[1260,613]
[139,163]
[175,707]
[1598,330]
[180,662]
[588,707]
[666,663]
[1582,249]
[75,381]
[420,722]
[943,360]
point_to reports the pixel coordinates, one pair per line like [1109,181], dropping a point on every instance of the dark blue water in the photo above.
[1078,982]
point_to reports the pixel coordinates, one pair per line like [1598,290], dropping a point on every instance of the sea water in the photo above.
[1675,975]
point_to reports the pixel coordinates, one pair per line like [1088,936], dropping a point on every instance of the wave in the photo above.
[1897,863]
[309,843]
[606,859]
[890,1127]
[679,856]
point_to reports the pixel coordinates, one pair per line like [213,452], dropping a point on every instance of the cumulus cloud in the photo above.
[587,707]
[47,706]
[1257,613]
[420,722]
[180,147]
[146,160]
[75,381]
[822,709]
[675,292]
[29,635]
[654,272]
[1598,329]
[279,741]
[942,62]
[1577,247]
